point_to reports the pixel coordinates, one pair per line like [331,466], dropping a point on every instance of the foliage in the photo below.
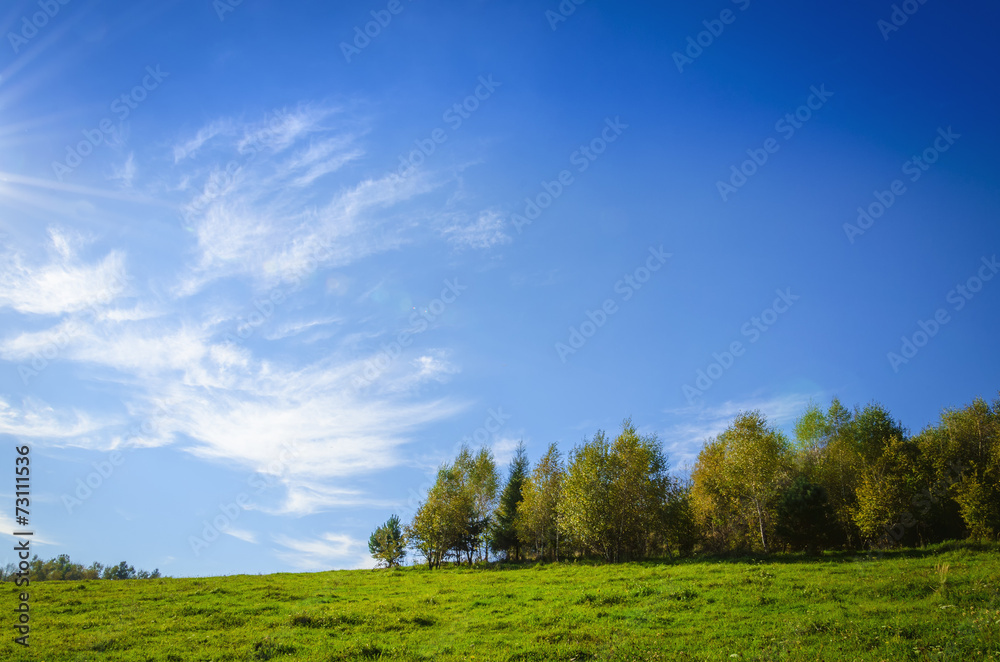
[387,544]
[852,479]
[61,568]
[502,533]
[536,519]
[804,517]
[739,478]
[617,496]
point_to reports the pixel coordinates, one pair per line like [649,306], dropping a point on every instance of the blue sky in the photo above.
[255,277]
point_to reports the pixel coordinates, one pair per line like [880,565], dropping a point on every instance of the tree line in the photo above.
[847,479]
[61,568]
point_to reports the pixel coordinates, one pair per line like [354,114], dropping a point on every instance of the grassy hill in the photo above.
[941,603]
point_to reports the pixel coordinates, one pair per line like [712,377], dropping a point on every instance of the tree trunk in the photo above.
[760,522]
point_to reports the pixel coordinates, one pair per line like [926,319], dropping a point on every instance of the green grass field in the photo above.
[905,606]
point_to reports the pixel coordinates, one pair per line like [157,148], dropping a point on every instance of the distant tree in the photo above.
[121,571]
[479,477]
[617,496]
[503,534]
[441,525]
[803,516]
[387,544]
[722,524]
[887,486]
[61,568]
[679,520]
[758,462]
[585,515]
[536,519]
[740,476]
[961,457]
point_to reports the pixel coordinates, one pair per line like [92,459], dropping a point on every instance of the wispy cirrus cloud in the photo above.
[257,199]
[486,231]
[63,282]
[34,419]
[262,212]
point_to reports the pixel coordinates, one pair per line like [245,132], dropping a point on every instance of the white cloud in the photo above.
[240,534]
[268,220]
[8,526]
[126,173]
[64,284]
[486,231]
[282,128]
[330,550]
[37,420]
[295,328]
[205,134]
[503,451]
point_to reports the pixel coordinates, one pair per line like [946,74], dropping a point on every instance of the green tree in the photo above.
[741,475]
[837,449]
[617,494]
[441,524]
[680,519]
[479,477]
[536,519]
[884,493]
[387,544]
[803,517]
[722,524]
[503,534]
[961,456]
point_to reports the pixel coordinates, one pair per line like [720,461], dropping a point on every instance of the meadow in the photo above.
[936,603]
